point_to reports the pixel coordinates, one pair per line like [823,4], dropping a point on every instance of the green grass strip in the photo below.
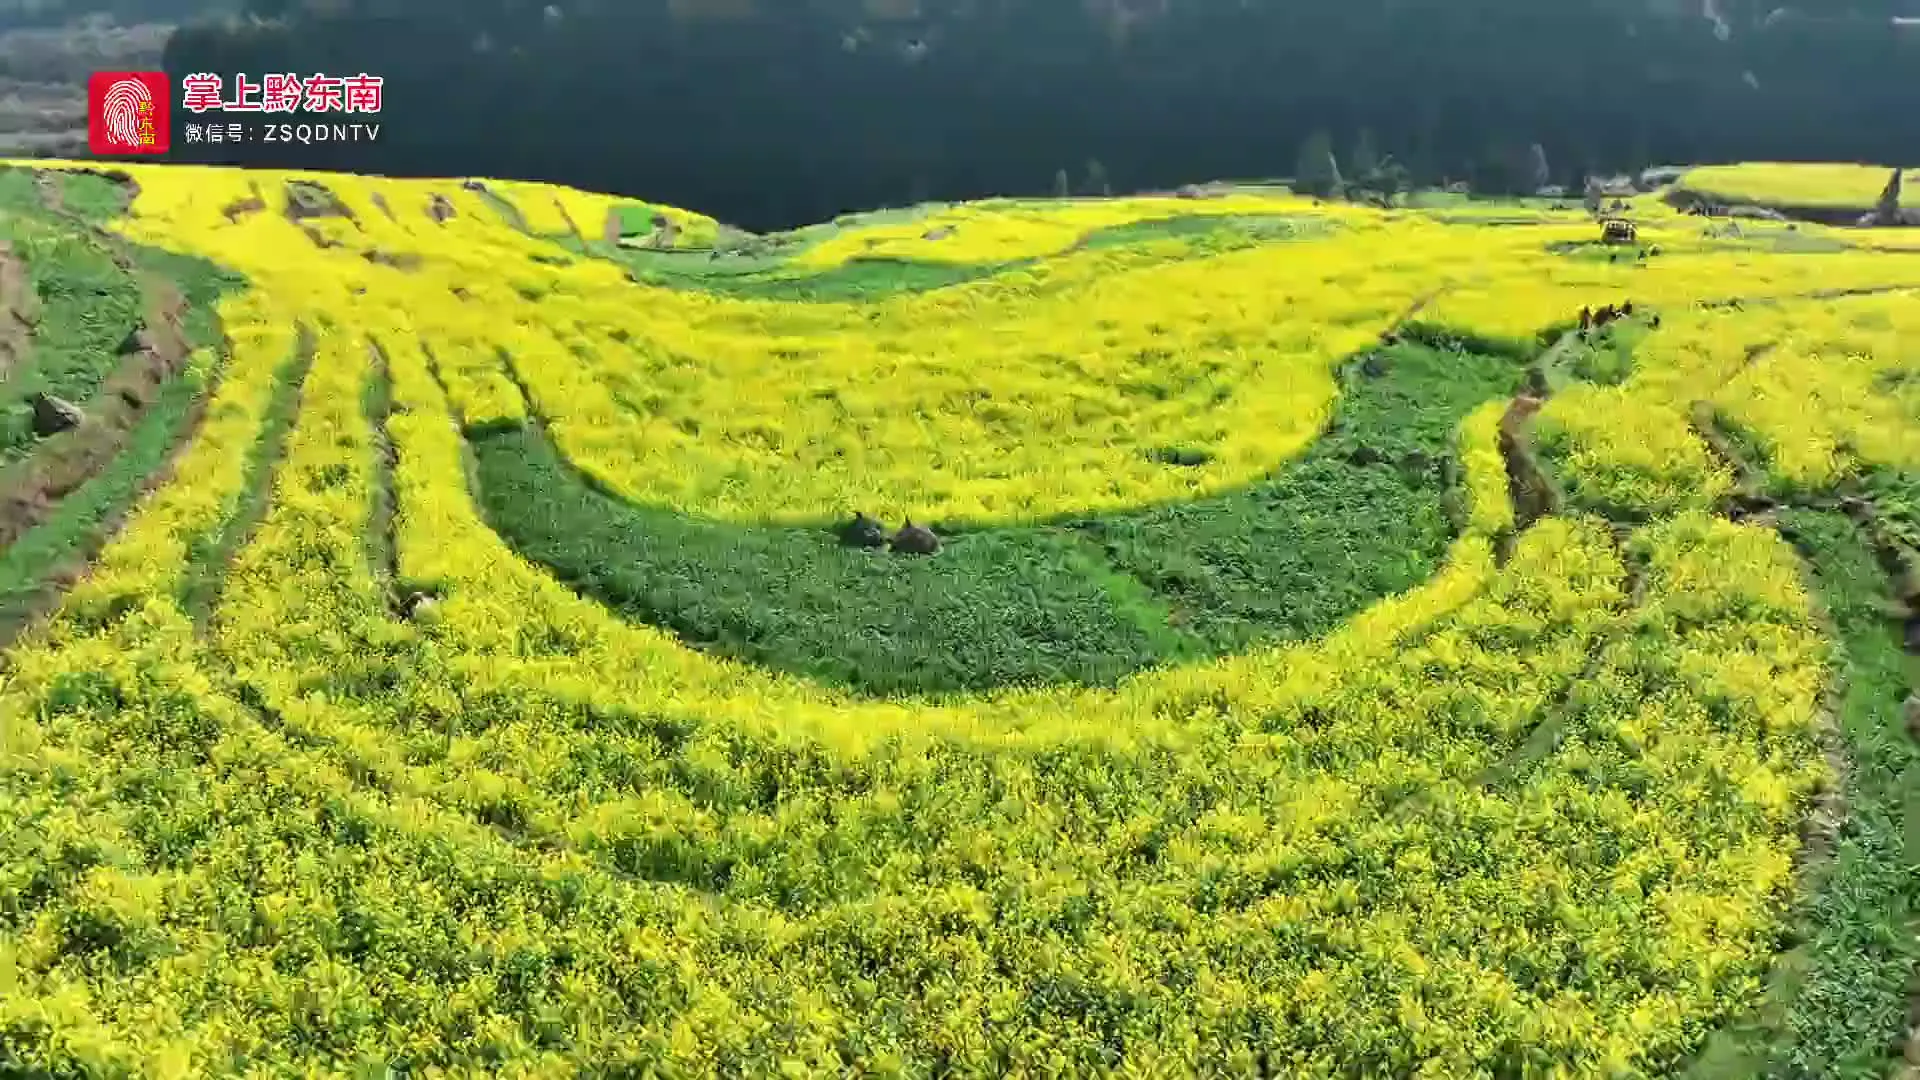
[769,275]
[376,403]
[1837,1003]
[88,307]
[81,521]
[88,196]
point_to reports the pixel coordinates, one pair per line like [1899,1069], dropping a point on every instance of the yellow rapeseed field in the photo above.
[1538,814]
[1801,184]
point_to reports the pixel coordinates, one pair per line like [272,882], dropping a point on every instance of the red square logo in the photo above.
[129,112]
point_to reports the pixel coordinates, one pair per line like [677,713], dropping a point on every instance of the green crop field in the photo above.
[435,646]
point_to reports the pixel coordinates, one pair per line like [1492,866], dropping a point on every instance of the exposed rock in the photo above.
[1889,204]
[915,540]
[863,532]
[1755,213]
[1886,213]
[52,415]
[440,208]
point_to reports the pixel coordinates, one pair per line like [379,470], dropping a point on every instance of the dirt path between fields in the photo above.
[19,310]
[154,353]
[1528,486]
[51,195]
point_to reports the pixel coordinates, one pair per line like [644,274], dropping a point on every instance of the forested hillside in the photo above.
[779,114]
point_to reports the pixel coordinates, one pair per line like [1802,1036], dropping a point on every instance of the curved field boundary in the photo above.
[651,861]
[1362,515]
[772,268]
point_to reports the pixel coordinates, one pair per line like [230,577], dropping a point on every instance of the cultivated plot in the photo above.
[1341,656]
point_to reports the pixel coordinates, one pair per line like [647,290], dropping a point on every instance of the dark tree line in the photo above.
[776,114]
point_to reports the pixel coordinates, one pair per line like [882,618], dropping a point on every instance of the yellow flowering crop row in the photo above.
[1521,816]
[1489,511]
[1821,385]
[1627,453]
[1833,391]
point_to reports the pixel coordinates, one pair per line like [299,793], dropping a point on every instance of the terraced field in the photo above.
[1852,188]
[436,652]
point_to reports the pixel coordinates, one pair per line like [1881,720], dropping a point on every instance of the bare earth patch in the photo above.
[19,306]
[239,208]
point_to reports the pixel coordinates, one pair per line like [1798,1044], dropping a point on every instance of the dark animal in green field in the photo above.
[863,532]
[915,540]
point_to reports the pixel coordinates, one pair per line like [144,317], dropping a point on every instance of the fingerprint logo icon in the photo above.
[128,113]
[128,101]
